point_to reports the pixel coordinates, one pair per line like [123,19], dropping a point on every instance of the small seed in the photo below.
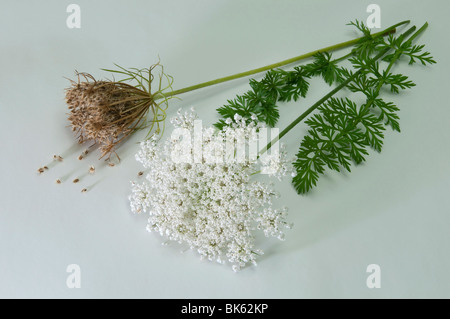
[91,169]
[40,170]
[85,152]
[58,181]
[57,158]
[140,174]
[76,180]
[84,190]
[111,164]
[45,167]
[80,157]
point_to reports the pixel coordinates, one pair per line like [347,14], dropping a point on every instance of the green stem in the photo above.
[338,88]
[334,47]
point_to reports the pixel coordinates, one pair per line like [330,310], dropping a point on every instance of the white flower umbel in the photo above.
[213,205]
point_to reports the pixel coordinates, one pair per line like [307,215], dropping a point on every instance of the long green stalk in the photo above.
[330,48]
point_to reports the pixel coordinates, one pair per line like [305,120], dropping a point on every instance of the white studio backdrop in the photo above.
[392,211]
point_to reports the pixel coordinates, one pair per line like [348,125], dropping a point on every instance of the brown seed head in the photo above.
[106,112]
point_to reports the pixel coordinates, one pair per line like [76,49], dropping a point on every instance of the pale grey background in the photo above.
[392,211]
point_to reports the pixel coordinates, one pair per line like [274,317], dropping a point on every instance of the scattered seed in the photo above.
[40,170]
[57,158]
[84,190]
[76,180]
[58,181]
[110,164]
[91,169]
[85,152]
[140,174]
[45,167]
[80,157]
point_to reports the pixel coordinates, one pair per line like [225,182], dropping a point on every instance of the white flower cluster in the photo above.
[212,205]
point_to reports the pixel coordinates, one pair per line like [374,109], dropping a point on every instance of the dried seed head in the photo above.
[91,169]
[76,180]
[106,112]
[58,181]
